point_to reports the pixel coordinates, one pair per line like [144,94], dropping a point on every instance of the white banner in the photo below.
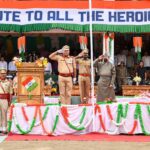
[75,112]
[75,16]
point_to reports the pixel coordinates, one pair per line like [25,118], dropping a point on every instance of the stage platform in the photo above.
[76,99]
[130,115]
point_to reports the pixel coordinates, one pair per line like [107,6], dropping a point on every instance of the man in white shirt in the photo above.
[48,68]
[146,60]
[3,63]
[12,68]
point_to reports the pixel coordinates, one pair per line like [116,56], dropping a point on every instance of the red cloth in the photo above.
[5,96]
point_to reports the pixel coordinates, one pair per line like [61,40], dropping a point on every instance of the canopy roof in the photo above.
[114,16]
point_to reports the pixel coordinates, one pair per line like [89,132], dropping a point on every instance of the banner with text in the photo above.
[75,16]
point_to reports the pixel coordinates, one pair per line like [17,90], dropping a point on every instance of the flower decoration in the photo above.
[137,79]
[42,62]
[53,90]
[49,81]
[17,61]
[108,99]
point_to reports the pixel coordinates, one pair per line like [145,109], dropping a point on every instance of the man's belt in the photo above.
[5,96]
[66,74]
[85,74]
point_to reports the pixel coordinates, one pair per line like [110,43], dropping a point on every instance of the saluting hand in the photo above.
[100,57]
[110,85]
[81,54]
[60,51]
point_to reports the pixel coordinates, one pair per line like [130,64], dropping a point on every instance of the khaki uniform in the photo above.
[107,74]
[121,72]
[66,66]
[5,95]
[15,85]
[84,78]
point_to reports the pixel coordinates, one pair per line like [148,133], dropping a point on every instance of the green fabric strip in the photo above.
[83,115]
[55,123]
[45,113]
[29,130]
[75,27]
[76,128]
[9,125]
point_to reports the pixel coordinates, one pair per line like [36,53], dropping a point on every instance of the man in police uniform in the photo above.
[107,74]
[5,96]
[121,74]
[84,75]
[67,70]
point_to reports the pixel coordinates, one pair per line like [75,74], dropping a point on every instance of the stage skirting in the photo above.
[55,119]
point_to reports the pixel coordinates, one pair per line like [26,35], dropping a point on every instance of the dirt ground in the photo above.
[73,145]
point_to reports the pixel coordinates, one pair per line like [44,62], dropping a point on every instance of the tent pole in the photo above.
[92,68]
[91,50]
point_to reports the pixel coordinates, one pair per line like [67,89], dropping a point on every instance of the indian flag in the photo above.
[83,42]
[137,43]
[29,83]
[21,46]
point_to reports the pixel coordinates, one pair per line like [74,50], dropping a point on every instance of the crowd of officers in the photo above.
[67,69]
[67,75]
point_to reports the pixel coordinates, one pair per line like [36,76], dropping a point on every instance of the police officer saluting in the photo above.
[84,75]
[5,97]
[67,70]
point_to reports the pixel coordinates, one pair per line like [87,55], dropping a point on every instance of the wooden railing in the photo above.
[134,90]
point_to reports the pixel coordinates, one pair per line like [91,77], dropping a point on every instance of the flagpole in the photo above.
[92,68]
[91,49]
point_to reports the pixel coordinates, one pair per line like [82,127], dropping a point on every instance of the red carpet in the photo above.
[86,137]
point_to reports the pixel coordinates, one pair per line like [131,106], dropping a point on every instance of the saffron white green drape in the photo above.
[128,117]
[112,16]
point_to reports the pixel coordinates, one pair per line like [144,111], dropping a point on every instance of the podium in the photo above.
[30,83]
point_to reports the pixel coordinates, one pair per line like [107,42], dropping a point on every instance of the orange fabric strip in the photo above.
[76,4]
